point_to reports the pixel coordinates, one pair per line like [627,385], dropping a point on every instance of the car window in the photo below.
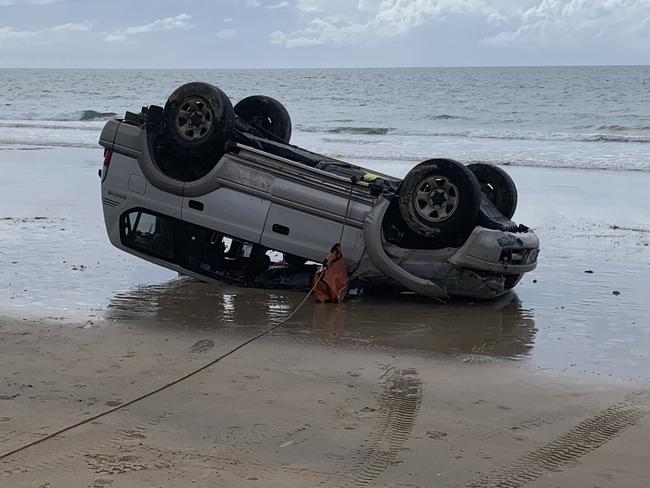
[146,226]
[149,233]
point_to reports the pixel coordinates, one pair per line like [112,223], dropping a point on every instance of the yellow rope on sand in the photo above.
[166,386]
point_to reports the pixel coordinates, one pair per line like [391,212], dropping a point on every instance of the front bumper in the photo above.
[489,263]
[499,252]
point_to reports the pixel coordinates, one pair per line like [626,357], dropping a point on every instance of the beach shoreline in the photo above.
[555,116]
[84,327]
[583,309]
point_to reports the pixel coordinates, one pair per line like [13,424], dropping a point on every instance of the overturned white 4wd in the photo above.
[208,189]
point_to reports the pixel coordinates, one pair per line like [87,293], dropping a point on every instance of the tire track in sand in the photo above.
[398,408]
[556,455]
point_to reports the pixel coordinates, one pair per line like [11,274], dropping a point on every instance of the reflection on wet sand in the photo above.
[499,328]
[185,302]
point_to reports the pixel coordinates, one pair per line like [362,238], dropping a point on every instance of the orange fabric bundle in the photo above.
[333,284]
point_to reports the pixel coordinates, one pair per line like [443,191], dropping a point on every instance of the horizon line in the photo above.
[334,67]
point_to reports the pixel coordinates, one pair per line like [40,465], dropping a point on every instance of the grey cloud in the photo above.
[371,19]
[539,22]
[7,3]
[561,20]
[274,6]
[227,33]
[8,34]
[179,22]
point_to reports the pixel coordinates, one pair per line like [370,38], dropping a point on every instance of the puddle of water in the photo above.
[63,267]
[505,328]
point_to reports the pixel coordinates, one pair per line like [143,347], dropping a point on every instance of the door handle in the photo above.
[280,229]
[196,205]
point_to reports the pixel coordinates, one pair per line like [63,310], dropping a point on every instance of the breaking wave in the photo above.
[45,124]
[485,134]
[409,159]
[374,131]
[23,144]
[94,115]
[615,128]
[444,117]
[78,116]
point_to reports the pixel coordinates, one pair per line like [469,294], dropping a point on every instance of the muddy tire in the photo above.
[440,198]
[267,115]
[199,117]
[497,186]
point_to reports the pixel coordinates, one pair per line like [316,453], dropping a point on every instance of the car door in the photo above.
[307,220]
[228,211]
[232,200]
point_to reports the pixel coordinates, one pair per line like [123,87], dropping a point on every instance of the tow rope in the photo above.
[318,277]
[168,385]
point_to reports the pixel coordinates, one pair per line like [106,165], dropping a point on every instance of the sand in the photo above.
[546,387]
[289,412]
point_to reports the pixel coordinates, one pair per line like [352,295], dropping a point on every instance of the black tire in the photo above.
[199,118]
[440,198]
[497,186]
[266,114]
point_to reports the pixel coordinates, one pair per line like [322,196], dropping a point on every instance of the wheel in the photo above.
[199,117]
[440,198]
[497,186]
[266,114]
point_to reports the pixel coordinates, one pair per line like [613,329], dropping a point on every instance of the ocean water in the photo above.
[576,117]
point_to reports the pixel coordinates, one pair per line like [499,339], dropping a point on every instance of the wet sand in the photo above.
[58,266]
[544,387]
[290,412]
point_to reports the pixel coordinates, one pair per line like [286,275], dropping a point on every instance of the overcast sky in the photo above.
[321,33]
